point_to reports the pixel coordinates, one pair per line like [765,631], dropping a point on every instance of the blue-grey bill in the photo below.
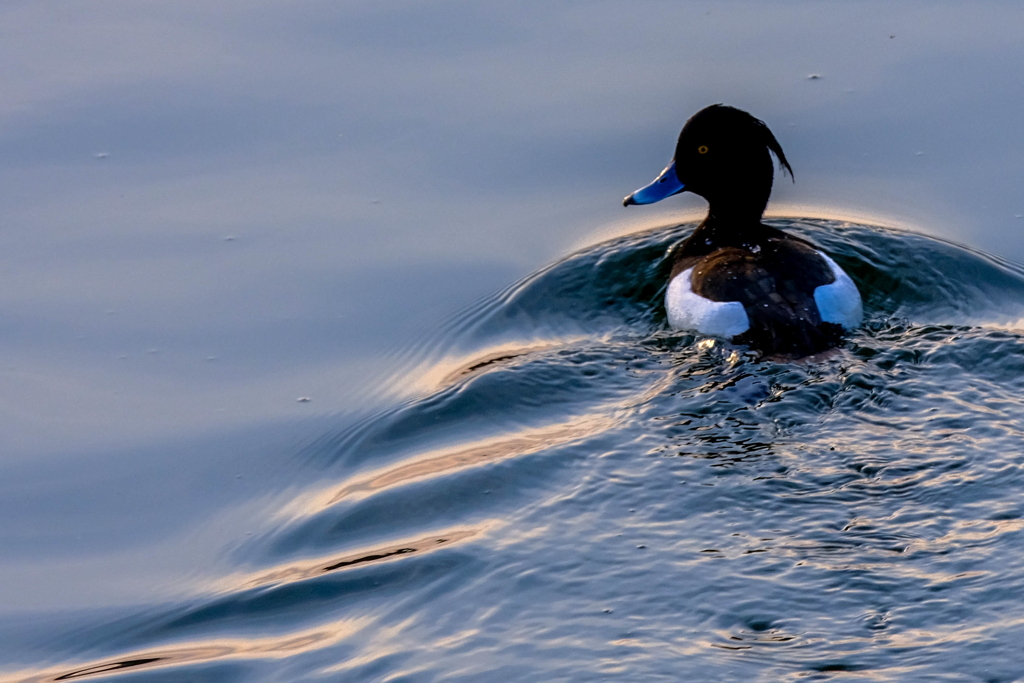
[665,185]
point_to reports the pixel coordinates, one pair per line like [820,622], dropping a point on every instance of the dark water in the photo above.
[578,493]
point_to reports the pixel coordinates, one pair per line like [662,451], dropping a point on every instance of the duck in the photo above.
[735,277]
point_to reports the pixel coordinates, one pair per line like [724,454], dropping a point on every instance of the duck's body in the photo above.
[763,288]
[736,277]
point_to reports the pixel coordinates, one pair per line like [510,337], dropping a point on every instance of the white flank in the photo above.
[689,311]
[839,302]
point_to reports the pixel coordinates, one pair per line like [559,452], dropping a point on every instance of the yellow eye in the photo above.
[703,149]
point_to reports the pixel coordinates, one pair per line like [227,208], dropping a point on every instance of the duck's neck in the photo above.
[732,229]
[737,211]
[714,233]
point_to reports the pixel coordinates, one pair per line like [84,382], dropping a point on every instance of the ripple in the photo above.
[199,653]
[565,489]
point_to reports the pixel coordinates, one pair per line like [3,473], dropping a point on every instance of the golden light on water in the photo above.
[447,460]
[198,652]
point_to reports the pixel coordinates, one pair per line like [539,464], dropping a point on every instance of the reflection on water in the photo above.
[579,492]
[207,651]
[308,569]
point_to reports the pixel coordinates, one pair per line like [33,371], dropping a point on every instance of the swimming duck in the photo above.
[735,277]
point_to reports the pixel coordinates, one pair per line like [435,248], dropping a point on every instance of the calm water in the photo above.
[581,494]
[208,212]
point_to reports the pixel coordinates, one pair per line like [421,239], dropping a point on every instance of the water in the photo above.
[209,212]
[576,492]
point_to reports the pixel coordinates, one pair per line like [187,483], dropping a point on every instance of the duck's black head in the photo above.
[723,155]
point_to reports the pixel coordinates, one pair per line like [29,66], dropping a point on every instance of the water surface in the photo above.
[210,212]
[578,493]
